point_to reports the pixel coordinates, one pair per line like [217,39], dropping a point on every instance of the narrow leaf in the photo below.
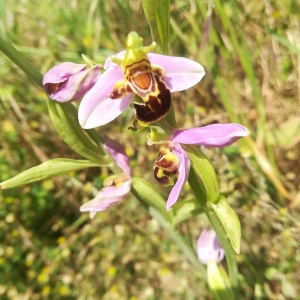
[150,8]
[19,59]
[230,222]
[163,23]
[64,119]
[46,170]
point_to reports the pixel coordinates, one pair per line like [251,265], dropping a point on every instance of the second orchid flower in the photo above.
[172,159]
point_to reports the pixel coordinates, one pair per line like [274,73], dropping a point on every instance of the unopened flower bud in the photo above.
[68,81]
[209,248]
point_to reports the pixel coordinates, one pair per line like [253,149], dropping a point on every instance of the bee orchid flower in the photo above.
[116,187]
[172,159]
[136,71]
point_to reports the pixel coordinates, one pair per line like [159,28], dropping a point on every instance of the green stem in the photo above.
[19,59]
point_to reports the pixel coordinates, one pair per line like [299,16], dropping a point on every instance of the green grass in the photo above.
[250,51]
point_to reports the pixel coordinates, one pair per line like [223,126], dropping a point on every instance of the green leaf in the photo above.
[230,222]
[185,210]
[157,13]
[163,23]
[46,170]
[64,119]
[150,7]
[205,171]
[18,58]
[218,282]
[142,189]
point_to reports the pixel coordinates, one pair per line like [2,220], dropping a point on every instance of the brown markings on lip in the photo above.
[163,180]
[160,84]
[165,167]
[136,63]
[168,165]
[152,110]
[51,88]
[128,89]
[153,104]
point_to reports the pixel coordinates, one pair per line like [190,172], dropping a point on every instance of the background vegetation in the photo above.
[251,53]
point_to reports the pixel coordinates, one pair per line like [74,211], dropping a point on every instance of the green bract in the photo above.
[205,171]
[46,170]
[64,119]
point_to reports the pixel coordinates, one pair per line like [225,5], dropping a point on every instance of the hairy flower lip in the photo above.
[181,74]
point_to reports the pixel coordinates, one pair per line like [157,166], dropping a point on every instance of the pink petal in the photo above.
[209,248]
[181,73]
[118,154]
[107,197]
[183,170]
[62,72]
[216,135]
[74,82]
[96,108]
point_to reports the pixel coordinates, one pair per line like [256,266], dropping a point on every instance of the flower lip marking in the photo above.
[145,80]
[165,166]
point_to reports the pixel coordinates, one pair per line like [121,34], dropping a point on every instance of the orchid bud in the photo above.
[68,81]
[209,248]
